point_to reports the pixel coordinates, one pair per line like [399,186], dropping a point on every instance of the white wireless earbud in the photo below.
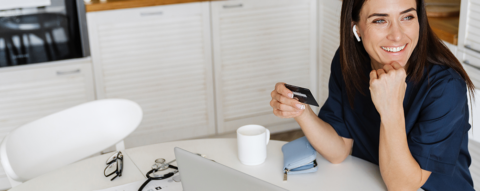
[355,33]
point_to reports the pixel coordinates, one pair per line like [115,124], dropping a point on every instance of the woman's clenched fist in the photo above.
[387,87]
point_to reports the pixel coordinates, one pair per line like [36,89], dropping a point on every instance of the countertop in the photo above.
[445,28]
[99,5]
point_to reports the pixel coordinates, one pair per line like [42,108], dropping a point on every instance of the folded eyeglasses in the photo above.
[114,165]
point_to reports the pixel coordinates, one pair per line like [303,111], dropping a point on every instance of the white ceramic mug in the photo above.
[252,143]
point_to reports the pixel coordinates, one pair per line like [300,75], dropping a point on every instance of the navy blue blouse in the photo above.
[436,120]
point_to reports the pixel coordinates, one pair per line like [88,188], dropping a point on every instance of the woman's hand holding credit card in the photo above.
[290,101]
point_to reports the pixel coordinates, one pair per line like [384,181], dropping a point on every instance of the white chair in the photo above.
[474,140]
[66,137]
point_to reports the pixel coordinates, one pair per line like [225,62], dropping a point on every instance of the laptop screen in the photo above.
[201,174]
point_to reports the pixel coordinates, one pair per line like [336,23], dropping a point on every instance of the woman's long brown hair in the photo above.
[354,58]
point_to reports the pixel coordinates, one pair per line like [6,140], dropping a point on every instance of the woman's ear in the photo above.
[355,32]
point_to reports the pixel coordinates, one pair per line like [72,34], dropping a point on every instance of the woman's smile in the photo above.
[393,49]
[394,53]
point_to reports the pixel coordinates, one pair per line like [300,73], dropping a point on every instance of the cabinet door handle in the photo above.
[466,62]
[59,73]
[232,6]
[146,14]
[472,49]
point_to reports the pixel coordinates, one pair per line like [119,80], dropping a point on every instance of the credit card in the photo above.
[302,94]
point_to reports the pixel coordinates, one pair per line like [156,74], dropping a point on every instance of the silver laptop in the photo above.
[201,174]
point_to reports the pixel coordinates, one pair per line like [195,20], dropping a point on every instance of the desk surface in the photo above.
[351,174]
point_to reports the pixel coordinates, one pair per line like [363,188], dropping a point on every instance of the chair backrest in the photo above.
[474,149]
[474,112]
[67,136]
[474,139]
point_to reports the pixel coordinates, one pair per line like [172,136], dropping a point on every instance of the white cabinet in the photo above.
[469,39]
[469,29]
[471,63]
[33,91]
[451,47]
[256,44]
[159,57]
[328,42]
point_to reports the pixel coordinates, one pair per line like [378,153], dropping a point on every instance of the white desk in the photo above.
[352,174]
[82,176]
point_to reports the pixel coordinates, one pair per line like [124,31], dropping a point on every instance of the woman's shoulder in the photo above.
[336,62]
[444,81]
[335,67]
[443,74]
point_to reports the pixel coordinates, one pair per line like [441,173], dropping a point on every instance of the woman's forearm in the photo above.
[400,171]
[323,137]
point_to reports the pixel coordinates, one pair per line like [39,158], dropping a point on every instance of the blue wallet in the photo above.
[299,157]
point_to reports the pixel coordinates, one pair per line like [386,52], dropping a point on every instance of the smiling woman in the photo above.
[391,31]
[397,40]
[397,98]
